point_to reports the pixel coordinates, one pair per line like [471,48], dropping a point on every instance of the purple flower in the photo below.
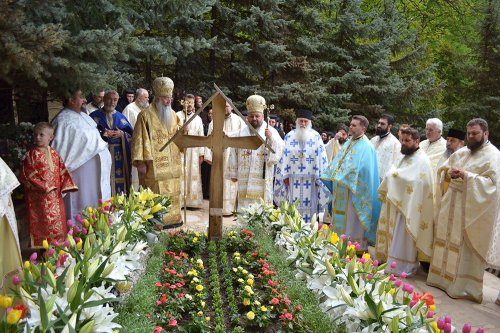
[398,283]
[447,327]
[84,231]
[77,239]
[408,288]
[480,330]
[447,319]
[66,244]
[440,323]
[467,328]
[16,280]
[50,252]
[76,229]
[393,264]
[430,314]
[79,218]
[412,303]
[375,263]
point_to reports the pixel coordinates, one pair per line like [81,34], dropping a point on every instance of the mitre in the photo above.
[163,87]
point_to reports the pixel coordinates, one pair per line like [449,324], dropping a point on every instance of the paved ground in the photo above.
[486,314]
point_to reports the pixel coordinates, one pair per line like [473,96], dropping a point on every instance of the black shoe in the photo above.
[172,226]
[425,266]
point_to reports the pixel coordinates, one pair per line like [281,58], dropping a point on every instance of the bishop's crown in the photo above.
[256,103]
[163,87]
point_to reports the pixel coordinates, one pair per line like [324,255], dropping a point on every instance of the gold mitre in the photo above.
[163,87]
[256,103]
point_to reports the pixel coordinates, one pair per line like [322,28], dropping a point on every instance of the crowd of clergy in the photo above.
[432,203]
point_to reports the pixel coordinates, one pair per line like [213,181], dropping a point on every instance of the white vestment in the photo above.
[10,251]
[89,108]
[332,148]
[86,157]
[247,166]
[406,217]
[131,111]
[232,125]
[434,150]
[388,149]
[302,163]
[192,172]
[467,231]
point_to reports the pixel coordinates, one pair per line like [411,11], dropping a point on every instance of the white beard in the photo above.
[165,113]
[302,134]
[143,105]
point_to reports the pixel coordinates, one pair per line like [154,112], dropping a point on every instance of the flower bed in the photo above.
[73,286]
[360,294]
[226,286]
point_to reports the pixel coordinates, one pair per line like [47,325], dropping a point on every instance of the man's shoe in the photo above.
[172,226]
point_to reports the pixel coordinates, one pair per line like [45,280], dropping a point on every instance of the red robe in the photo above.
[45,178]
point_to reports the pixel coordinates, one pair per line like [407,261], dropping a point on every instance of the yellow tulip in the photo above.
[5,301]
[86,223]
[45,244]
[14,316]
[366,256]
[207,318]
[199,288]
[246,301]
[334,238]
[250,282]
[27,264]
[79,244]
[263,308]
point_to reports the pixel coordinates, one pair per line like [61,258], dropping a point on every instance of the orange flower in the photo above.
[428,298]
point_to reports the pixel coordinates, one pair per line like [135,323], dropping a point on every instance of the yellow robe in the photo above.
[407,189]
[10,252]
[467,225]
[164,168]
[434,150]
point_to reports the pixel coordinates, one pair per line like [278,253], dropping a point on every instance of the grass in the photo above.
[314,317]
[141,301]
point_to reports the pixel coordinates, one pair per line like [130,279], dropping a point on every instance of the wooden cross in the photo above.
[217,141]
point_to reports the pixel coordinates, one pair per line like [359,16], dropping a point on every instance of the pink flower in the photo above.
[320,225]
[447,327]
[70,232]
[447,319]
[76,229]
[289,316]
[398,283]
[84,231]
[357,246]
[77,239]
[393,264]
[70,223]
[412,303]
[78,218]
[467,328]
[343,237]
[440,323]
[66,244]
[408,288]
[16,280]
[369,276]
[33,257]
[55,242]
[50,252]
[158,329]
[375,263]
[480,330]
[299,308]
[172,323]
[403,275]
[392,277]
[430,314]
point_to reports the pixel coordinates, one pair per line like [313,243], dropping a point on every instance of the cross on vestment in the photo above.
[217,141]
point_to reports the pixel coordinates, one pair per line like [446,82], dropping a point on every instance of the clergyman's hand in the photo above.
[457,173]
[142,168]
[269,134]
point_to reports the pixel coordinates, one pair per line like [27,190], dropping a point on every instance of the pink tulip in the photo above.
[408,288]
[16,280]
[398,283]
[467,328]
[172,323]
[375,263]
[412,303]
[403,275]
[369,276]
[320,225]
[76,229]
[392,277]
[33,256]
[66,244]
[70,223]
[70,232]
[447,319]
[430,314]
[393,264]
[440,323]
[158,329]
[55,242]
[77,239]
[447,328]
[50,252]
[480,330]
[79,218]
[343,237]
[84,231]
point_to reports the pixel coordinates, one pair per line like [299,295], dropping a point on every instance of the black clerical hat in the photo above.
[455,133]
[303,113]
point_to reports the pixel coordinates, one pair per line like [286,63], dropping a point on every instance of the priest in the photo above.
[232,124]
[406,225]
[386,145]
[299,169]
[454,141]
[159,170]
[10,255]
[254,169]
[85,155]
[117,132]
[467,230]
[191,175]
[435,145]
[352,178]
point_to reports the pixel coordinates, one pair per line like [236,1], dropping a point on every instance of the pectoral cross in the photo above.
[217,141]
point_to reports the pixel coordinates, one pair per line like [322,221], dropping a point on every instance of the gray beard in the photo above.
[165,113]
[142,106]
[302,134]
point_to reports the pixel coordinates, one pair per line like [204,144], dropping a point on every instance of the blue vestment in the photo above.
[302,164]
[354,173]
[118,147]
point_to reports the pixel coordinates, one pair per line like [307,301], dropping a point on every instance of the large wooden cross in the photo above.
[217,141]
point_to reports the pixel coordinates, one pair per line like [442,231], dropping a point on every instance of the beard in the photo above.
[408,150]
[165,113]
[302,133]
[341,140]
[142,105]
[380,131]
[473,146]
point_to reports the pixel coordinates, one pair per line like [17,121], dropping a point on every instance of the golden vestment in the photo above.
[164,168]
[467,224]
